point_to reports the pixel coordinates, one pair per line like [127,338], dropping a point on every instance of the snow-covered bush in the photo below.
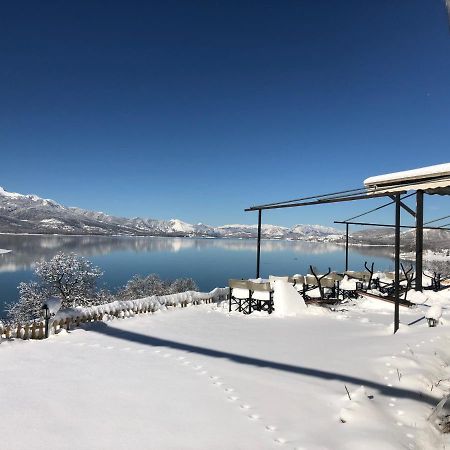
[68,276]
[146,286]
[183,285]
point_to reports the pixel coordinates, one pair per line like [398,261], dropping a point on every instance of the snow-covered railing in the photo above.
[73,317]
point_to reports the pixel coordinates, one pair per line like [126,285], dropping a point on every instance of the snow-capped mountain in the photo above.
[31,214]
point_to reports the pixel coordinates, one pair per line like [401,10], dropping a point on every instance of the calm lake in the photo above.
[210,262]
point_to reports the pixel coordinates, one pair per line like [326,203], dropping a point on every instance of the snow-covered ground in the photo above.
[201,378]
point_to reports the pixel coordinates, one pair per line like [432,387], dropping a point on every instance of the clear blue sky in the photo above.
[198,109]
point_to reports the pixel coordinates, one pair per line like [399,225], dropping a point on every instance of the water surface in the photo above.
[210,262]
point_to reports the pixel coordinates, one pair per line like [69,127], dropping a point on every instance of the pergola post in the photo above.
[346,246]
[258,248]
[397,263]
[419,240]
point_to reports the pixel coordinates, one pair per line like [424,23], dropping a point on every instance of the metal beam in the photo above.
[376,209]
[346,246]
[258,249]
[397,264]
[410,227]
[320,202]
[404,206]
[419,240]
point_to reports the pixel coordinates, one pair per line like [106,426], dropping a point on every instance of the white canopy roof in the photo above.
[431,179]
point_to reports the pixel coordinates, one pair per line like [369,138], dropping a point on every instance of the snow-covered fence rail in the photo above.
[73,317]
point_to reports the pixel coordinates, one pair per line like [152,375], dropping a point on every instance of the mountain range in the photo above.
[31,214]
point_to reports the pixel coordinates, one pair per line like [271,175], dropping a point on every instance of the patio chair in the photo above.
[261,297]
[348,287]
[240,295]
[319,287]
[435,281]
[387,282]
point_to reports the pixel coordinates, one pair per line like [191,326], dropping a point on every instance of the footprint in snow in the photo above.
[229,389]
[271,428]
[218,383]
[233,398]
[245,406]
[214,377]
[280,440]
[180,358]
[254,416]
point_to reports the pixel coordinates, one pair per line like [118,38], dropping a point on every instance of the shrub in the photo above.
[146,286]
[67,276]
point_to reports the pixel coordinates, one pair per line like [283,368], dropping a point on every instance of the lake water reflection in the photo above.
[209,261]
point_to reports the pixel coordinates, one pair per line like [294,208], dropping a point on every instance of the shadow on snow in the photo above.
[389,391]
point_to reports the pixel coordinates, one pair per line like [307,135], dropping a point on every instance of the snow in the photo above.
[430,171]
[203,378]
[3,251]
[287,301]
[434,312]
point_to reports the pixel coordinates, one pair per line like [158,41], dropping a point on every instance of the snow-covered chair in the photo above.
[261,298]
[239,295]
[348,287]
[320,287]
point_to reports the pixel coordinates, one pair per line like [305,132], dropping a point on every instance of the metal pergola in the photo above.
[397,192]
